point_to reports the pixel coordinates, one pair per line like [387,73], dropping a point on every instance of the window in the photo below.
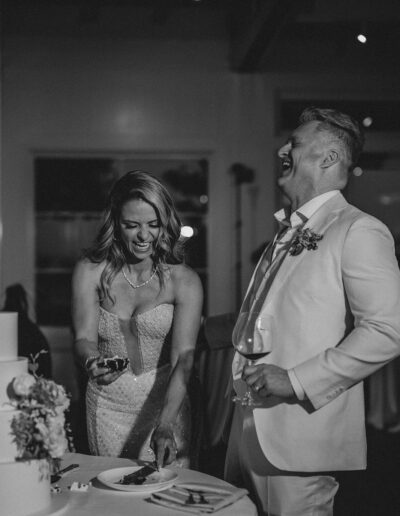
[70,194]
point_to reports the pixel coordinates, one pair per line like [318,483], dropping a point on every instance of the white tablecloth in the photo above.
[102,501]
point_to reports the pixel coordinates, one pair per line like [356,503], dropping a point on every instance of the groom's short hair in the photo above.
[343,127]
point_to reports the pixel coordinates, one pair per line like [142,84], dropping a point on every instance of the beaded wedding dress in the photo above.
[122,415]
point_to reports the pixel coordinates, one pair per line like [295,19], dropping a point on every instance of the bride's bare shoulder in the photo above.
[182,274]
[86,270]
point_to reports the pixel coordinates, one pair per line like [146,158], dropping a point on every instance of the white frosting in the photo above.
[8,449]
[8,335]
[24,488]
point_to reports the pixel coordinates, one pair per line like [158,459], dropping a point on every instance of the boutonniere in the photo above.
[304,239]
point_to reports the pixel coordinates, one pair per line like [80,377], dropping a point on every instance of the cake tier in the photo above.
[8,449]
[24,488]
[9,369]
[8,335]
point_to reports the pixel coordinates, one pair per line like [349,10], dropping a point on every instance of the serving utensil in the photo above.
[55,477]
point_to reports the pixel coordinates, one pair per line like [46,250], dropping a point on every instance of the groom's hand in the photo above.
[268,380]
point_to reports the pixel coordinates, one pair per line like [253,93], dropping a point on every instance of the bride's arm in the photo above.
[188,293]
[85,309]
[85,320]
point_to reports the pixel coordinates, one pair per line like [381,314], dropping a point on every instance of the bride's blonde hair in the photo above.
[110,248]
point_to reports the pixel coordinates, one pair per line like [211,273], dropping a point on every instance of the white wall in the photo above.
[73,96]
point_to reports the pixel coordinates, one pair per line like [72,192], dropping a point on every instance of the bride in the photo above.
[134,298]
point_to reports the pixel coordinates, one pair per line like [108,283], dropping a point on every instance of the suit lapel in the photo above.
[319,223]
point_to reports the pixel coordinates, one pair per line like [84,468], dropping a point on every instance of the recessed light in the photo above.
[367,121]
[362,38]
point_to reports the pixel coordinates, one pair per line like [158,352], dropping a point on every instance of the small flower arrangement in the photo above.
[39,428]
[304,239]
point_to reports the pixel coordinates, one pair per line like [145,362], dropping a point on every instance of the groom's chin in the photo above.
[281,184]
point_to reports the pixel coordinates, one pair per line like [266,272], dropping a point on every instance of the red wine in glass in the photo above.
[254,356]
[252,339]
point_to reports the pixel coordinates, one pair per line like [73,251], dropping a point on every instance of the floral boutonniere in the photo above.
[304,239]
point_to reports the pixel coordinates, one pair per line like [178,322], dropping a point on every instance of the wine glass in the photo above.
[252,339]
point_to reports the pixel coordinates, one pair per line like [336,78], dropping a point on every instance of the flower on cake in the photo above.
[23,383]
[39,428]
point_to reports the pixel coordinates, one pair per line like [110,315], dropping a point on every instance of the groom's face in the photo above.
[301,159]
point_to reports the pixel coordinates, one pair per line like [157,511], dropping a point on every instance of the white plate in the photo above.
[154,482]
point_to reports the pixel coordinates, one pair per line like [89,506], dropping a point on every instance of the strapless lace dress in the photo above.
[122,415]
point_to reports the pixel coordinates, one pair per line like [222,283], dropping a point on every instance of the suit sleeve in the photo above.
[371,281]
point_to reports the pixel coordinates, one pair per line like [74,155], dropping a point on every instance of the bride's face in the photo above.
[139,228]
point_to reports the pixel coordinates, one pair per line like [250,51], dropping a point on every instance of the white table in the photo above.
[102,501]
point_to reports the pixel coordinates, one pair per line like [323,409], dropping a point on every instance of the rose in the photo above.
[50,394]
[22,384]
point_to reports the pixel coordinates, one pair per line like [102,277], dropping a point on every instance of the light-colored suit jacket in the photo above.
[336,320]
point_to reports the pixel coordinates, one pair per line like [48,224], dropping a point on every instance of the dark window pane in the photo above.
[53,299]
[72,184]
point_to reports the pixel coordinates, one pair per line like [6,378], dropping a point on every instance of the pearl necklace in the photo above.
[140,284]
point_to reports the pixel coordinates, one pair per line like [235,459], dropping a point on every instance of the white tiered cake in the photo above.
[24,485]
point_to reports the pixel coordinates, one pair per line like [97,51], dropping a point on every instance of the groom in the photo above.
[330,283]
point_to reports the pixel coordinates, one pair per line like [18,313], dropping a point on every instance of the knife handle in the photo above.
[67,468]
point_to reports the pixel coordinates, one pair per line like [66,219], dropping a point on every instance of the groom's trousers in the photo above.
[275,492]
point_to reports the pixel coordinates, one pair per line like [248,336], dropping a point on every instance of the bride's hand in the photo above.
[108,377]
[102,375]
[163,444]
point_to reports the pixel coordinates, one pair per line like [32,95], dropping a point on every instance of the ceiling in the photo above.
[264,35]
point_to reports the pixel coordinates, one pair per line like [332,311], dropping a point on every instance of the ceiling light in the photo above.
[367,122]
[362,38]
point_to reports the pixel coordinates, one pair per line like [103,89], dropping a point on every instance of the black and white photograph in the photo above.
[199,257]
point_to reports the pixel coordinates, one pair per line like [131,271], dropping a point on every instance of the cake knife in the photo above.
[61,472]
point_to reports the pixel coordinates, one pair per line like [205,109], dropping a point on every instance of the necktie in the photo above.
[270,262]
[269,265]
